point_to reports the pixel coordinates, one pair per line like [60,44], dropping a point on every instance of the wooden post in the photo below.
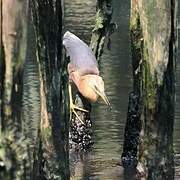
[14,29]
[13,39]
[103,27]
[47,18]
[153,41]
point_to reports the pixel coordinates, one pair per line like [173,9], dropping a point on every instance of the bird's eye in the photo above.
[95,87]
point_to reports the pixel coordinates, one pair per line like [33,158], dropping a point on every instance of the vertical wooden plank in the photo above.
[153,59]
[47,19]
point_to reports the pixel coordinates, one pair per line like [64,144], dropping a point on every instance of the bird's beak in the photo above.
[103,96]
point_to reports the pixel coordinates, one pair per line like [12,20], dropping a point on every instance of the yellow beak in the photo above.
[103,96]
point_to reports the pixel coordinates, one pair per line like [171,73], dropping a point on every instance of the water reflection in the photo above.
[79,16]
[115,68]
[31,98]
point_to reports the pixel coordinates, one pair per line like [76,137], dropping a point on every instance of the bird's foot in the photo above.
[73,109]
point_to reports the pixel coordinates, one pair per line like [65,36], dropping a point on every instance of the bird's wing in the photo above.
[81,55]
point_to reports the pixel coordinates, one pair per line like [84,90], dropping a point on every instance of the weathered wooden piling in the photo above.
[153,41]
[13,46]
[54,126]
[103,27]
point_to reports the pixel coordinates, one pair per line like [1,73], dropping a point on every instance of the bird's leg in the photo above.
[73,107]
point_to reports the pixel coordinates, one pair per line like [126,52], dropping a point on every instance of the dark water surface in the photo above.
[115,68]
[31,97]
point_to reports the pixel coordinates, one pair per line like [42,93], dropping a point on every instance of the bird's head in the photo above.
[94,88]
[71,41]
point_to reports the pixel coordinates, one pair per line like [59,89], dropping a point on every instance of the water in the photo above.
[115,68]
[79,17]
[31,97]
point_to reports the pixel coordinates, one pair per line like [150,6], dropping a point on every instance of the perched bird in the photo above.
[83,71]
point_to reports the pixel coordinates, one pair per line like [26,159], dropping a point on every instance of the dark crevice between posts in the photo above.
[17,98]
[132,130]
[133,123]
[80,134]
[38,163]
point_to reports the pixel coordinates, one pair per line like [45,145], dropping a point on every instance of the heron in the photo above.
[83,72]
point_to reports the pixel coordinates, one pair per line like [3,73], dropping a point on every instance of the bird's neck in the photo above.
[84,85]
[76,78]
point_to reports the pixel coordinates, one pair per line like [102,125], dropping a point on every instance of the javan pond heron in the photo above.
[83,71]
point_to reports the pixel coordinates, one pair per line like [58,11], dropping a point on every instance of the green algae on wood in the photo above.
[102,26]
[153,52]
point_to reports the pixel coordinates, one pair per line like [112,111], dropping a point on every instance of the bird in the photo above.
[83,72]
